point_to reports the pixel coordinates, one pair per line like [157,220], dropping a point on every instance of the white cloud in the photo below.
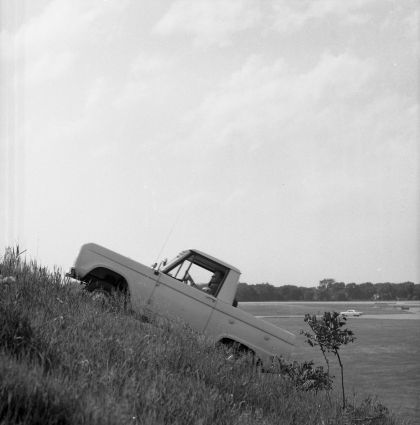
[146,81]
[48,43]
[338,147]
[289,15]
[215,22]
[261,102]
[96,93]
[209,21]
[411,25]
[147,65]
[49,66]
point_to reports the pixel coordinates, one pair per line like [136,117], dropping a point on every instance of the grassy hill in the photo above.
[68,359]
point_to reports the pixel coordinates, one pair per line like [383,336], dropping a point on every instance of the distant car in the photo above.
[351,312]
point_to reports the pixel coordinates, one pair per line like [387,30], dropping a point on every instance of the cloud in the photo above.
[209,22]
[147,81]
[330,144]
[47,45]
[147,65]
[49,66]
[411,25]
[325,160]
[215,22]
[262,101]
[97,92]
[290,16]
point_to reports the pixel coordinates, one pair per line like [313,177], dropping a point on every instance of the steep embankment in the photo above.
[66,359]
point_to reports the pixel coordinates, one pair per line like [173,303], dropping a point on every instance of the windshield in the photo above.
[197,271]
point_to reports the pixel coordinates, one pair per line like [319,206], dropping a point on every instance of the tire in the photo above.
[239,353]
[100,290]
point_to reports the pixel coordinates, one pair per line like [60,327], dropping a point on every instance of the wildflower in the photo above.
[7,279]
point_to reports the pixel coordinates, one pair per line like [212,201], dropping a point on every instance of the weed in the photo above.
[305,376]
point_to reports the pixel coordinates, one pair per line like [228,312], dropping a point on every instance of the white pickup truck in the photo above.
[195,287]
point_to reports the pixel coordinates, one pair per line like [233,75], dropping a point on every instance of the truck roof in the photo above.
[214,259]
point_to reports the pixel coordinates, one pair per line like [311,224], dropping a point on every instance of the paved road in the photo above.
[402,316]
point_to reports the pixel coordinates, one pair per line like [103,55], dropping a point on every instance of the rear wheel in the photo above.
[240,353]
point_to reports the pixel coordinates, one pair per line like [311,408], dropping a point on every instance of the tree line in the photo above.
[330,290]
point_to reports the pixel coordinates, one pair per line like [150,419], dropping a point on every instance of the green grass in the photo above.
[382,362]
[66,359]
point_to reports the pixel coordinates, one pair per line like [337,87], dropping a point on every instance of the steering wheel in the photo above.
[189,280]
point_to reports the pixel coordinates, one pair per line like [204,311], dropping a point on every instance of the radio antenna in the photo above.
[169,235]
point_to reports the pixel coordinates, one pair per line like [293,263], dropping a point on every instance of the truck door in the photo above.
[178,294]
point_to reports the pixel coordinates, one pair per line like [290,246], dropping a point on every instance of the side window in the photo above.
[215,282]
[199,275]
[199,272]
[191,273]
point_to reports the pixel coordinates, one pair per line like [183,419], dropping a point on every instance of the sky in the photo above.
[280,136]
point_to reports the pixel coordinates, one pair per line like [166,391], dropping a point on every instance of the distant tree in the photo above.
[264,292]
[309,294]
[324,289]
[416,292]
[385,291]
[246,292]
[404,290]
[326,283]
[339,295]
[367,291]
[353,292]
[291,293]
[338,291]
[329,290]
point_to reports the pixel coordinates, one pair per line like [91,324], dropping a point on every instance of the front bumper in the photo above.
[72,273]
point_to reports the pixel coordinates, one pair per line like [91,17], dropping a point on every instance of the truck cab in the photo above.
[206,273]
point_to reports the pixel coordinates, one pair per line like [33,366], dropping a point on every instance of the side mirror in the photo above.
[161,264]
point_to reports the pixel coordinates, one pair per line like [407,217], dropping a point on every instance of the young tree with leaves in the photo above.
[329,335]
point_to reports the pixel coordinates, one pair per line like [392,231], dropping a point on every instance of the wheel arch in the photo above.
[118,281]
[234,343]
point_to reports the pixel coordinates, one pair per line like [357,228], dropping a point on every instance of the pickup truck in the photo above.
[194,287]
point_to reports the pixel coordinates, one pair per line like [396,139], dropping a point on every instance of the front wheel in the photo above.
[100,290]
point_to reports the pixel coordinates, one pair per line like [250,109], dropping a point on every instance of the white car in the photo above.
[351,312]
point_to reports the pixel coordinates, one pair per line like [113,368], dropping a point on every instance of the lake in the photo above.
[382,362]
